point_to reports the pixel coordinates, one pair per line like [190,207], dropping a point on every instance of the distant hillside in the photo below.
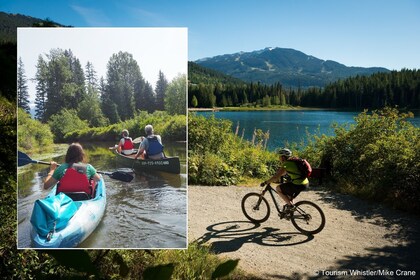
[198,74]
[10,22]
[290,67]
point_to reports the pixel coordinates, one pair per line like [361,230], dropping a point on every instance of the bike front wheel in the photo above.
[308,217]
[255,207]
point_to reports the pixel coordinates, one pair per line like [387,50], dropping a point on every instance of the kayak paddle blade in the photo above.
[23,159]
[122,176]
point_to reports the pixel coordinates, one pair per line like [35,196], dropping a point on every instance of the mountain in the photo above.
[10,22]
[198,74]
[290,67]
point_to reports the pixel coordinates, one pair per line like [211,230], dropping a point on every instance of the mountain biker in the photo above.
[289,190]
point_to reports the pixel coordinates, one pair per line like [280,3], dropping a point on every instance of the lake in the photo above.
[148,212]
[289,125]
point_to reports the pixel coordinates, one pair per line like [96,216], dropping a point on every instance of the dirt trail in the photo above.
[357,236]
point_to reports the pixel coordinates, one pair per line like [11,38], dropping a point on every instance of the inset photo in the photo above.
[102,138]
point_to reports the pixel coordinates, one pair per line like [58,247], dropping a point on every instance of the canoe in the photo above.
[86,218]
[167,164]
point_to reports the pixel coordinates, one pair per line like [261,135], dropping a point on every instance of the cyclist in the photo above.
[289,190]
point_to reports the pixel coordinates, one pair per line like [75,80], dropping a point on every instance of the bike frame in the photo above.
[271,190]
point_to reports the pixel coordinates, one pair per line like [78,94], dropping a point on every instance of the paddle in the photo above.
[24,159]
[138,140]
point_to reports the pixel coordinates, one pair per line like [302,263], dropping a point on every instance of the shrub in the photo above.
[32,134]
[64,122]
[218,157]
[377,158]
[170,127]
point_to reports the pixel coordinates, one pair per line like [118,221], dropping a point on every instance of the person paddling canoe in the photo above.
[126,146]
[151,147]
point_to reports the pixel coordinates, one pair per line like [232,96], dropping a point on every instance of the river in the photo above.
[288,126]
[149,212]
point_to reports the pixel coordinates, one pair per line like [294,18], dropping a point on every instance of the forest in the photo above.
[63,84]
[209,88]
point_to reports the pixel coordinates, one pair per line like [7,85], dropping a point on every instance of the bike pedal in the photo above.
[282,215]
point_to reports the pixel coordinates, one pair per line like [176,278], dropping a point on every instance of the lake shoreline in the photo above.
[251,109]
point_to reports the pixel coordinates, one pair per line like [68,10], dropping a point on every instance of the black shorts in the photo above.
[291,189]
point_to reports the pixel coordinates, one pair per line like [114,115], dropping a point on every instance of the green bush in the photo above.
[211,170]
[376,158]
[218,157]
[170,127]
[32,134]
[64,122]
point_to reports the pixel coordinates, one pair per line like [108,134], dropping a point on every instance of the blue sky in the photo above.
[353,32]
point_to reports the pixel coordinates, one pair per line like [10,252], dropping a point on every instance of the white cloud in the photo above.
[92,17]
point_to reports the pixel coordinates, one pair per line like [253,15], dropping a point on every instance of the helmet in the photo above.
[284,152]
[148,129]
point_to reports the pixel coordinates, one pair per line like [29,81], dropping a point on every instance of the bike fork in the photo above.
[257,205]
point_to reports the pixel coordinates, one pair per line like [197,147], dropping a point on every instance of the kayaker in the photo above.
[125,146]
[151,147]
[73,175]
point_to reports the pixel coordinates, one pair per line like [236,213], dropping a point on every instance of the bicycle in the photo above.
[306,216]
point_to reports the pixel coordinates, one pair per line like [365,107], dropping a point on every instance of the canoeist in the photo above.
[151,147]
[73,175]
[126,146]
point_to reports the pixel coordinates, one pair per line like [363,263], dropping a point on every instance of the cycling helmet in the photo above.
[284,152]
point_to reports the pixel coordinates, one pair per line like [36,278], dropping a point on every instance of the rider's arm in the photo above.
[276,177]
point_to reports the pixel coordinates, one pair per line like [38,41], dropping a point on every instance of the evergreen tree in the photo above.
[77,78]
[89,108]
[194,101]
[144,96]
[175,98]
[91,77]
[123,74]
[41,89]
[60,83]
[160,89]
[109,108]
[22,87]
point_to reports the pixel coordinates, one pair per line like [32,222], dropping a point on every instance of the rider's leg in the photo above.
[288,191]
[283,193]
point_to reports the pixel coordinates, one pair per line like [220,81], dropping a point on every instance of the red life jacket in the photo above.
[128,144]
[75,180]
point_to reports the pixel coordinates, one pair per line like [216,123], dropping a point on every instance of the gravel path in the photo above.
[358,236]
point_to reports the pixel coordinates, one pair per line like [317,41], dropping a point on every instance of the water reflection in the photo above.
[149,212]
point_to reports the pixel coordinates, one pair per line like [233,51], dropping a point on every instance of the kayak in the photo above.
[77,219]
[167,164]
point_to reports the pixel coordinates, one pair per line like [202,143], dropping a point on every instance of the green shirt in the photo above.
[294,172]
[59,172]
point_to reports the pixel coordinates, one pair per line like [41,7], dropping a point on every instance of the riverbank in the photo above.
[49,152]
[269,108]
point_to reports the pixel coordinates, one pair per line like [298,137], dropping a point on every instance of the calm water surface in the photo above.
[286,127]
[148,212]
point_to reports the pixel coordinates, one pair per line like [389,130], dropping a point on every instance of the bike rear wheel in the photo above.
[308,217]
[255,207]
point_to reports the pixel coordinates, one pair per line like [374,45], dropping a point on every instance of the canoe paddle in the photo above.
[24,159]
[138,140]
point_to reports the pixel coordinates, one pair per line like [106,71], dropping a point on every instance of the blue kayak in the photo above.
[64,221]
